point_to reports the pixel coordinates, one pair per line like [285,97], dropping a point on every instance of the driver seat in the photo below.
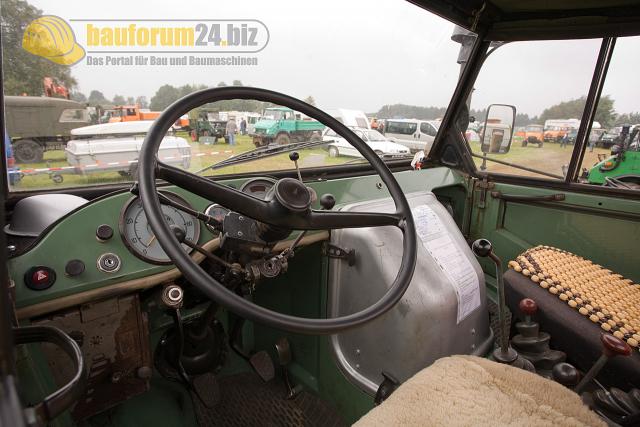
[471,391]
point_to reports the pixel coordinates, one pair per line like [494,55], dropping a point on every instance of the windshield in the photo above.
[374,135]
[113,69]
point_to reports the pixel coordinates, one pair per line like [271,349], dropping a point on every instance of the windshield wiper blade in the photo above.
[263,152]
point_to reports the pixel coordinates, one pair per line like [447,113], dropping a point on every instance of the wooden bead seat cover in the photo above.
[604,297]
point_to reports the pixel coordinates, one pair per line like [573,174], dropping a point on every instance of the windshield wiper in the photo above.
[263,152]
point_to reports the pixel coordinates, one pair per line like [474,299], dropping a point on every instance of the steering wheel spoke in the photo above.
[227,196]
[325,220]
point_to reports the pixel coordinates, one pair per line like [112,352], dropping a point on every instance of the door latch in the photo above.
[484,185]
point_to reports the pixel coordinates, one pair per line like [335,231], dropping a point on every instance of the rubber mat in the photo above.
[248,401]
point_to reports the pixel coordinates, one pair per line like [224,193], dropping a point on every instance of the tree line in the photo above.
[605,113]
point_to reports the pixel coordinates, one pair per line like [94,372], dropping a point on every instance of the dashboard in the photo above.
[106,246]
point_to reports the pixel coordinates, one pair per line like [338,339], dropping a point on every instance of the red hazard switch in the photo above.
[39,278]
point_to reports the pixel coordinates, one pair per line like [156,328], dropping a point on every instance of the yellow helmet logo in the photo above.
[52,38]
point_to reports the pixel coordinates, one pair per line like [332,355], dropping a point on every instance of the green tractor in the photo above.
[281,126]
[622,168]
[207,131]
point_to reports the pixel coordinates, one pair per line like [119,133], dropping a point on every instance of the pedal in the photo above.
[263,365]
[284,359]
[207,389]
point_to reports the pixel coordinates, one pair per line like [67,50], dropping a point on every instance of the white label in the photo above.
[450,258]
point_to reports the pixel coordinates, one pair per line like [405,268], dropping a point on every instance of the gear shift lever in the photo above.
[612,346]
[482,248]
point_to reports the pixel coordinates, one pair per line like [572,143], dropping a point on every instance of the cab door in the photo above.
[541,196]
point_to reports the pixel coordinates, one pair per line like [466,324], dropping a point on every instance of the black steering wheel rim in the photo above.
[148,166]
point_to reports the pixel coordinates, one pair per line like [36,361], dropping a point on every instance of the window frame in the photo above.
[452,136]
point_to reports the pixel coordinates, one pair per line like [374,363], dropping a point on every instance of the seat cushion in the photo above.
[471,391]
[571,332]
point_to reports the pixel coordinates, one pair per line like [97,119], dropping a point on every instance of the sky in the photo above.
[357,54]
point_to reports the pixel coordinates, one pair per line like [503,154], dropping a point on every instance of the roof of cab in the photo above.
[39,101]
[510,20]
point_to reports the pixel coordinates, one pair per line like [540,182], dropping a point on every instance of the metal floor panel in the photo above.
[248,401]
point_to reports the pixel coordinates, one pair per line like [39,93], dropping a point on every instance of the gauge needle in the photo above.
[151,240]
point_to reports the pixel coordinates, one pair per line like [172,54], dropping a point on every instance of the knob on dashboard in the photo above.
[75,267]
[327,201]
[104,232]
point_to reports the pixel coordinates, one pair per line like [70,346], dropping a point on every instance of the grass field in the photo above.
[550,158]
[308,158]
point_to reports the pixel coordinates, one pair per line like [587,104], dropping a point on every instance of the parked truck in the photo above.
[279,125]
[129,113]
[37,124]
[207,128]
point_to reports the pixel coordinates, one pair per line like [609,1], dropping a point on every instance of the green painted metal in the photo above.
[74,237]
[603,229]
[625,164]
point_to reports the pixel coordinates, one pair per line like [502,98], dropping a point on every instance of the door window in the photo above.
[612,154]
[547,82]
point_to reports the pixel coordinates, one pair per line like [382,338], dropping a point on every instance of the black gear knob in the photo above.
[482,248]
[327,201]
[294,156]
[565,374]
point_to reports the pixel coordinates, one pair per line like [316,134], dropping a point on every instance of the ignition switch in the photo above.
[109,263]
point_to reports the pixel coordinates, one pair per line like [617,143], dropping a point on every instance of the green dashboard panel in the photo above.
[74,236]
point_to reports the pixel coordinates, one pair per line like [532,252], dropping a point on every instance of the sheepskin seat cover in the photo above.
[471,391]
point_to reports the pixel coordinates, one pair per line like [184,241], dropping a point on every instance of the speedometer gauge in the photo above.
[258,187]
[140,238]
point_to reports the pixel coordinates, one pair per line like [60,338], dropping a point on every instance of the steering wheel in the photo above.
[289,207]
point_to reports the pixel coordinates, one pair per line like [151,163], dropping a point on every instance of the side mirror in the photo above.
[498,129]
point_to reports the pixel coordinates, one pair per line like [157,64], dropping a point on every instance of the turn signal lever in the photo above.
[611,347]
[483,248]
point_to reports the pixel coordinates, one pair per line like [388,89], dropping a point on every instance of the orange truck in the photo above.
[532,134]
[130,113]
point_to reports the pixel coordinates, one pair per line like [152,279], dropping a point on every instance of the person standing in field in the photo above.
[231,130]
[243,127]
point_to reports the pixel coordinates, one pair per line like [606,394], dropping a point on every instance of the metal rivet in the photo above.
[379,186]
[473,331]
[240,233]
[240,218]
